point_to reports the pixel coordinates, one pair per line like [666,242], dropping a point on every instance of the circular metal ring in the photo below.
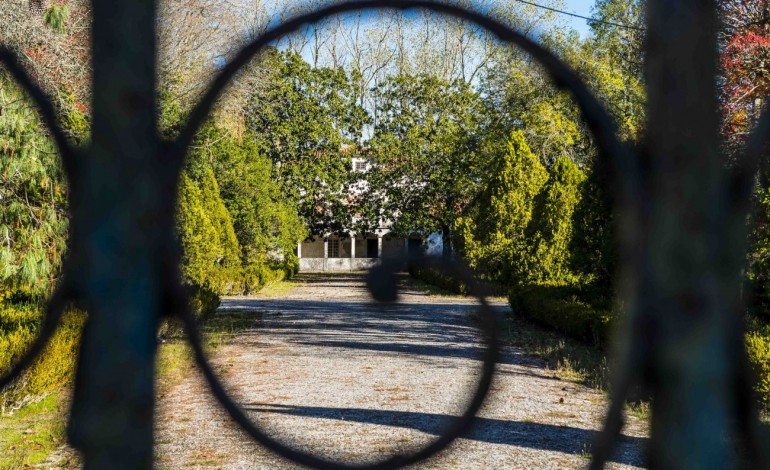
[57,302]
[599,122]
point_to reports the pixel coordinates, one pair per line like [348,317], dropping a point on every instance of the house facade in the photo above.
[353,251]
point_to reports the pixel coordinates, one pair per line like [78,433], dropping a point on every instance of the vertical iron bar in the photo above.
[692,251]
[121,216]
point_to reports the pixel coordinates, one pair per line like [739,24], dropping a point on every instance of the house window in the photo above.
[334,248]
[360,165]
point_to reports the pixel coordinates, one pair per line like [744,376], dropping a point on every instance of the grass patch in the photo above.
[172,364]
[221,326]
[574,310]
[19,326]
[277,288]
[32,433]
[572,359]
[175,357]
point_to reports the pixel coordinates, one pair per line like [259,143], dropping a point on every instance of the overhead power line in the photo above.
[587,18]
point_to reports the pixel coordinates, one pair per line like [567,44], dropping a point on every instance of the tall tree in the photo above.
[305,121]
[551,230]
[492,236]
[265,221]
[424,149]
[745,57]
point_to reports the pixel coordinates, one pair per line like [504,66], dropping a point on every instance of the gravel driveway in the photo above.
[328,371]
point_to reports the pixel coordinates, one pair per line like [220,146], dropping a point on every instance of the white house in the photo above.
[356,252]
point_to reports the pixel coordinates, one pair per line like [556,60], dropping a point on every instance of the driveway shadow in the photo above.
[548,437]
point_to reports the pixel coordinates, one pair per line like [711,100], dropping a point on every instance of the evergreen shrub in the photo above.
[758,349]
[438,278]
[203,300]
[19,326]
[566,309]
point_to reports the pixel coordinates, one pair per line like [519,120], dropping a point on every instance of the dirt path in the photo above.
[328,371]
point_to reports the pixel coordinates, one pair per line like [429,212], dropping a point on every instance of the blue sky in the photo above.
[580,7]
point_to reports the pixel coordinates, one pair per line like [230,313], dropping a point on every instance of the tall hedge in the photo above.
[197,234]
[551,228]
[759,255]
[265,220]
[493,236]
[593,247]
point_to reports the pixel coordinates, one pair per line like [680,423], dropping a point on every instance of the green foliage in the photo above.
[227,249]
[237,230]
[438,278]
[565,309]
[33,219]
[523,98]
[19,326]
[493,237]
[264,220]
[301,121]
[74,120]
[425,153]
[56,18]
[203,301]
[551,228]
[758,349]
[593,249]
[759,254]
[201,245]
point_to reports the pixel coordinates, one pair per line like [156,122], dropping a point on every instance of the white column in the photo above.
[379,247]
[352,246]
[326,252]
[299,250]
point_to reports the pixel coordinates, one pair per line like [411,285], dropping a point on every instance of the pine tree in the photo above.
[33,220]
[551,229]
[493,237]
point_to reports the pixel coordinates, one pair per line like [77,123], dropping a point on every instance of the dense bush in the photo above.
[438,278]
[566,309]
[203,300]
[19,326]
[33,227]
[234,239]
[258,275]
[521,230]
[758,349]
[491,237]
[549,234]
[237,232]
[594,254]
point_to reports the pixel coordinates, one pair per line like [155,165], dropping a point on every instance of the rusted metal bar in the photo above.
[692,251]
[122,216]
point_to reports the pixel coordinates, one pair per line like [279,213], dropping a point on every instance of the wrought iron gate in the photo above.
[682,234]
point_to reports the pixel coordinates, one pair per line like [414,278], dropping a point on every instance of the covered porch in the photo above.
[351,253]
